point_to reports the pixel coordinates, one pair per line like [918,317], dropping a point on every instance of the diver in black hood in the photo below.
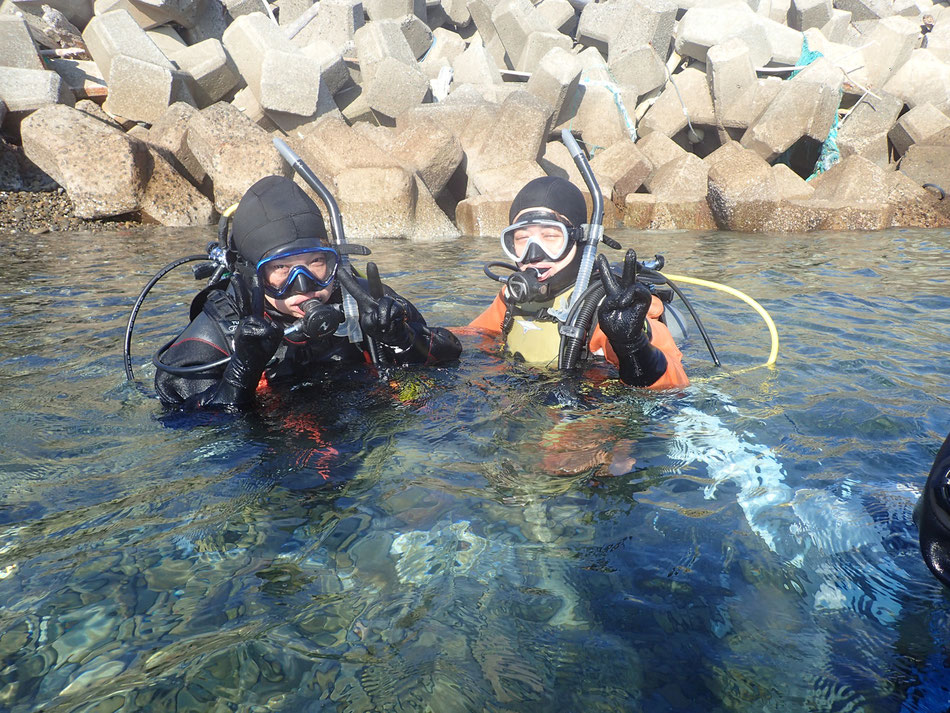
[278,314]
[932,516]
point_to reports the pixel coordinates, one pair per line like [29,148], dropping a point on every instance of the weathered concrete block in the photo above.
[864,131]
[429,221]
[557,161]
[289,83]
[213,74]
[555,82]
[334,146]
[803,14]
[559,14]
[639,66]
[742,190]
[785,43]
[731,76]
[336,23]
[290,10]
[926,163]
[659,149]
[476,66]
[514,22]
[847,59]
[497,180]
[456,11]
[102,170]
[142,91]
[169,199]
[168,135]
[667,115]
[646,23]
[378,201]
[211,20]
[800,109]
[917,126]
[333,69]
[78,12]
[539,44]
[895,39]
[167,40]
[621,169]
[247,103]
[836,29]
[353,104]
[396,87]
[703,27]
[643,211]
[599,23]
[116,33]
[247,41]
[394,9]
[788,185]
[378,41]
[417,34]
[484,215]
[914,206]
[599,118]
[865,9]
[683,178]
[82,77]
[25,90]
[481,12]
[921,79]
[233,151]
[517,132]
[16,45]
[429,148]
[853,179]
[239,8]
[445,45]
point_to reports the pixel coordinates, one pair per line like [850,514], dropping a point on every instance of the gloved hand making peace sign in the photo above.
[382,317]
[622,318]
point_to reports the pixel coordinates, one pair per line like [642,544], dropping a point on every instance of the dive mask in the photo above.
[538,236]
[298,271]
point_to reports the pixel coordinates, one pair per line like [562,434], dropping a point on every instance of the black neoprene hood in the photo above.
[554,193]
[276,213]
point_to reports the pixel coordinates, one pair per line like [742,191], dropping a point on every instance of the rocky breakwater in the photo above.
[423,118]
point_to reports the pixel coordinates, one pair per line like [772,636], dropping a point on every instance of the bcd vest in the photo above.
[534,334]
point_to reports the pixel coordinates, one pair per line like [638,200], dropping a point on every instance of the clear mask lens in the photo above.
[550,236]
[298,272]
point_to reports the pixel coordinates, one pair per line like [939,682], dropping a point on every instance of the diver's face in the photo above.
[276,272]
[547,236]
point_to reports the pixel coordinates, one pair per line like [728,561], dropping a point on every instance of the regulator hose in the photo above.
[773,332]
[127,347]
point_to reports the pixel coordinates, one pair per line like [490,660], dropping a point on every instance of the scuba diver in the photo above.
[932,516]
[546,242]
[278,313]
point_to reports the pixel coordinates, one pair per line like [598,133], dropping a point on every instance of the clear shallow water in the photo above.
[450,539]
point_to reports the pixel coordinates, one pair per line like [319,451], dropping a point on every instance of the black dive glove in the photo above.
[255,342]
[387,321]
[622,318]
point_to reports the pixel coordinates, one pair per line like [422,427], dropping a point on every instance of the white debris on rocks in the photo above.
[424,117]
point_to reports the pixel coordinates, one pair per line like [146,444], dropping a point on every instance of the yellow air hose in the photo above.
[773,354]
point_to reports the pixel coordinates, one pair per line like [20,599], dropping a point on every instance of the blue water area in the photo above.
[484,536]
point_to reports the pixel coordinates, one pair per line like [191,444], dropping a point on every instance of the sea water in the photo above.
[483,536]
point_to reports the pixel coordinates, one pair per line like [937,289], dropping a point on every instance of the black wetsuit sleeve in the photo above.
[202,342]
[427,345]
[932,516]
